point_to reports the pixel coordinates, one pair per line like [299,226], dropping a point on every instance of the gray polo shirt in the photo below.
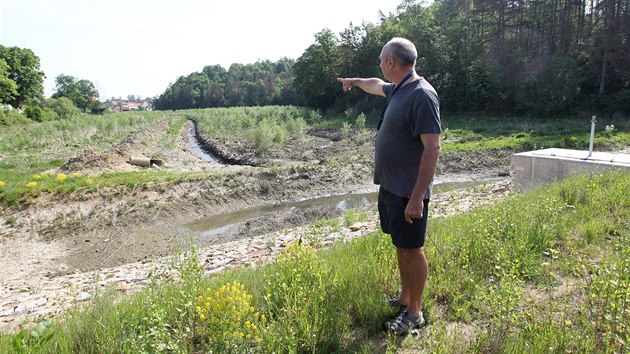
[413,110]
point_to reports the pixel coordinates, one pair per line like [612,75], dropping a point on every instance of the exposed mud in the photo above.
[112,226]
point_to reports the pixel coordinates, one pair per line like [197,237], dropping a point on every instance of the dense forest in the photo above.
[541,57]
[260,84]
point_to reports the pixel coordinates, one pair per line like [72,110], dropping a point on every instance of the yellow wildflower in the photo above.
[2,184]
[31,184]
[76,174]
[89,181]
[61,177]
[202,316]
[36,176]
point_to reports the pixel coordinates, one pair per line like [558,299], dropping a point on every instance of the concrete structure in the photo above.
[532,168]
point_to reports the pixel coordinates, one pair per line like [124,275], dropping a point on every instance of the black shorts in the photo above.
[391,209]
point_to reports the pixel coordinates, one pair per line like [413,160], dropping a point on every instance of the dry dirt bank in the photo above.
[59,238]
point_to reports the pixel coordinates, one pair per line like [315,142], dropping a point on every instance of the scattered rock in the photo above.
[356,226]
[123,287]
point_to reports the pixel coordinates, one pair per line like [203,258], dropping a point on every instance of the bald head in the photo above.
[402,50]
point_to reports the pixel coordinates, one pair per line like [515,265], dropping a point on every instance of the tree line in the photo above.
[260,84]
[540,57]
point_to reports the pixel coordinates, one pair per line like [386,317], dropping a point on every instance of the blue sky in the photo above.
[138,47]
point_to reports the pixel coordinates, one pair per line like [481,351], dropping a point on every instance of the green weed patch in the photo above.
[467,133]
[264,128]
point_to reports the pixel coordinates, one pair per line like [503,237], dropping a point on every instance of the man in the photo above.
[406,155]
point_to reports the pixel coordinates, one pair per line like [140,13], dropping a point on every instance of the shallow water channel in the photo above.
[229,222]
[194,145]
[219,225]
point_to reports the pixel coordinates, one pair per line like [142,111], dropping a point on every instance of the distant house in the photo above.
[8,107]
[137,106]
[126,105]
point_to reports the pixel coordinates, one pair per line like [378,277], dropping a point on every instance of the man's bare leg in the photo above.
[414,268]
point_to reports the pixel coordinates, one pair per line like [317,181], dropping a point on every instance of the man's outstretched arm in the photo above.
[371,85]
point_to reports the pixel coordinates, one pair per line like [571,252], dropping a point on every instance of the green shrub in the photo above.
[12,117]
[62,106]
[40,114]
[300,297]
[263,137]
[359,123]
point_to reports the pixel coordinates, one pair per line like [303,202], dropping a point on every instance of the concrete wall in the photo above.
[533,168]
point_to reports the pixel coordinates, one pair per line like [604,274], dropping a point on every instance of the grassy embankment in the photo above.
[29,150]
[543,271]
[523,133]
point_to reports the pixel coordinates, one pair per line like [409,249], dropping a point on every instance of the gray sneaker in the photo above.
[404,323]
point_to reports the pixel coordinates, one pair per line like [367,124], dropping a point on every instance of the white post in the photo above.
[590,144]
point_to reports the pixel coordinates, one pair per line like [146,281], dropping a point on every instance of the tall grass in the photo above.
[466,133]
[169,140]
[264,128]
[545,271]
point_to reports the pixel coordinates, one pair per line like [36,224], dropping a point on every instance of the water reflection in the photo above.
[214,225]
[193,143]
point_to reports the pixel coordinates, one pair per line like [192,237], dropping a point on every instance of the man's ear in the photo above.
[391,62]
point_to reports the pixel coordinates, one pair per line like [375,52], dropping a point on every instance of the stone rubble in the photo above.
[21,306]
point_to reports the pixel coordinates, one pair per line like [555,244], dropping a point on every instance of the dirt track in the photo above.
[56,237]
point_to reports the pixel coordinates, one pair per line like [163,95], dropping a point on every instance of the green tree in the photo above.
[316,71]
[8,88]
[81,92]
[24,70]
[215,92]
[98,107]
